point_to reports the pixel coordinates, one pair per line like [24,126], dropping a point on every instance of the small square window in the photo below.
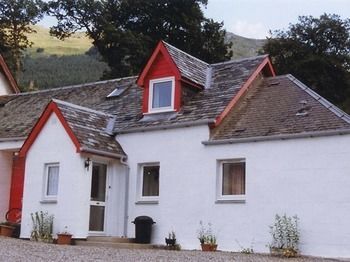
[232,180]
[51,181]
[162,94]
[149,183]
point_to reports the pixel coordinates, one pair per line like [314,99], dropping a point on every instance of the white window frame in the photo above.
[150,100]
[220,198]
[45,197]
[146,199]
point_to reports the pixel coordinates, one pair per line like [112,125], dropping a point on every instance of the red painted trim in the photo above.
[265,64]
[270,67]
[160,48]
[17,182]
[9,76]
[49,110]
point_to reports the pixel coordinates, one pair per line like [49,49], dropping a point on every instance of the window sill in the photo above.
[147,202]
[48,201]
[232,199]
[153,112]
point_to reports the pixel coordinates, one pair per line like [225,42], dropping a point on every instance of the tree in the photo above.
[125,31]
[317,51]
[16,18]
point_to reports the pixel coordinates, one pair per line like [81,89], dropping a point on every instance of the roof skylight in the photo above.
[118,91]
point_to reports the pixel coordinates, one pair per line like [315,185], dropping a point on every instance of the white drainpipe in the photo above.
[123,161]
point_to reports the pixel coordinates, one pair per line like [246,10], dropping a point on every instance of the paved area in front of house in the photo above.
[22,250]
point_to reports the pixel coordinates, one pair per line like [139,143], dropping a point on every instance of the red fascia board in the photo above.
[160,48]
[266,63]
[49,110]
[9,75]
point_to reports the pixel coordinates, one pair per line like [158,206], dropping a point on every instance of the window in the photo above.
[51,181]
[232,180]
[149,183]
[162,94]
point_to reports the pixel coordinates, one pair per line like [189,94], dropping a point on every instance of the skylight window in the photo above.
[118,91]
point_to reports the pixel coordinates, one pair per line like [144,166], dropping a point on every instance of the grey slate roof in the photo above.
[89,127]
[190,67]
[267,110]
[21,111]
[280,105]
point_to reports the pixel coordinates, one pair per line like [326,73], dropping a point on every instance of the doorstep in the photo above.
[113,242]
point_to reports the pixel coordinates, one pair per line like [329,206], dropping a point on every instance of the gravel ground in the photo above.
[22,250]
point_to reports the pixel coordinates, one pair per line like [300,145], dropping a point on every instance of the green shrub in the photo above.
[42,227]
[285,232]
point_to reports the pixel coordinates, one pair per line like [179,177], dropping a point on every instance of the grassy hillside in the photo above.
[75,45]
[52,63]
[244,47]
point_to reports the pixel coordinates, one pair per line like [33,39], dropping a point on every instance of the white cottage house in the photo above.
[185,141]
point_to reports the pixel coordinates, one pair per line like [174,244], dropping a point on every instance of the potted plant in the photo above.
[285,236]
[42,227]
[6,229]
[171,240]
[64,238]
[207,238]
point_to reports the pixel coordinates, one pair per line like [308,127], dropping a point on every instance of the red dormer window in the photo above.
[161,94]
[162,82]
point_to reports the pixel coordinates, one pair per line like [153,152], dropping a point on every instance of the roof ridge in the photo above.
[240,60]
[179,50]
[80,107]
[331,107]
[72,86]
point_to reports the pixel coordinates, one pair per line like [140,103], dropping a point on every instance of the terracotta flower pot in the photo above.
[209,247]
[64,239]
[6,231]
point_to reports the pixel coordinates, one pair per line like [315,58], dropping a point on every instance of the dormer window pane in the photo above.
[162,94]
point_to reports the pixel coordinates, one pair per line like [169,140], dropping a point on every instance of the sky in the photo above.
[254,18]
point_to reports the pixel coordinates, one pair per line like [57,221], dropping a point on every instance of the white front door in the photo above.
[98,198]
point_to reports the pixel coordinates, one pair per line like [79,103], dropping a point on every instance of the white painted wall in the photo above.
[4,85]
[73,201]
[307,177]
[5,181]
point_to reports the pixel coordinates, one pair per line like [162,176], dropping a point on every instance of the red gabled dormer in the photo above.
[165,78]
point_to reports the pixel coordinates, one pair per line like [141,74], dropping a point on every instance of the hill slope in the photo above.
[244,47]
[51,62]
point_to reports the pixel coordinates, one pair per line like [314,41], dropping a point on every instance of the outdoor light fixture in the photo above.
[87,163]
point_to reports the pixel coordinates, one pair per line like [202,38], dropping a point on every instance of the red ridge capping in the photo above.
[50,109]
[9,75]
[265,65]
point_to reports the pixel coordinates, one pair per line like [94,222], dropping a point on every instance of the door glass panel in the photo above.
[98,183]
[98,197]
[97,218]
